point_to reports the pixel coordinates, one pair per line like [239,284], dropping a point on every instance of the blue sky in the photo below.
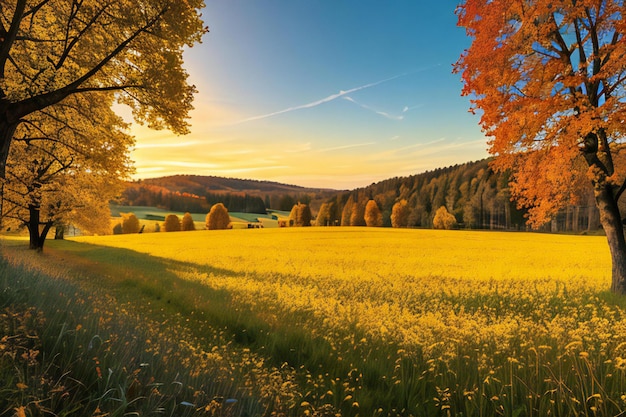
[321,93]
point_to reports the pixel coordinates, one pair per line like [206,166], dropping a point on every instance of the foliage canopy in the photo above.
[52,49]
[549,79]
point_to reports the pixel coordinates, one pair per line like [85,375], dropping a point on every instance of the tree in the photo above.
[549,78]
[400,214]
[323,215]
[172,223]
[64,169]
[357,217]
[443,219]
[187,223]
[373,216]
[300,215]
[53,49]
[218,217]
[346,213]
[130,223]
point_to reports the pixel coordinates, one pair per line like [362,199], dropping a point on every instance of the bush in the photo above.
[218,217]
[187,223]
[443,219]
[130,223]
[172,223]
[117,229]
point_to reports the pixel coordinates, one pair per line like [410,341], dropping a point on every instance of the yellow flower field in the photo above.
[412,322]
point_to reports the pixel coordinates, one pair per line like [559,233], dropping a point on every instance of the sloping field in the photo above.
[393,322]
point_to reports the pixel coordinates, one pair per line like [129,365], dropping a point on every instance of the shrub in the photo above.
[443,219]
[218,217]
[130,223]
[187,223]
[117,229]
[172,223]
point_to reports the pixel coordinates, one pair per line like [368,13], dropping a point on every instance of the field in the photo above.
[361,321]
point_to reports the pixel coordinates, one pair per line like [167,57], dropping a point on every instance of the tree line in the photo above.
[473,193]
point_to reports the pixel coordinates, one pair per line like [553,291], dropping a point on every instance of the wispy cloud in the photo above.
[382,113]
[316,103]
[354,145]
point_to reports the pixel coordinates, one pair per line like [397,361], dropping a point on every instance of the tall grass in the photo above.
[68,350]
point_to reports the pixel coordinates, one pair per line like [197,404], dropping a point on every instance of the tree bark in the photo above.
[612,223]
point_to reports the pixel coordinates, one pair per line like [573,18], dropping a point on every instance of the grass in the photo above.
[368,321]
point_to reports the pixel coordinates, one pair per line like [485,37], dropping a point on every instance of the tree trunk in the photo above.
[614,229]
[59,232]
[37,238]
[6,135]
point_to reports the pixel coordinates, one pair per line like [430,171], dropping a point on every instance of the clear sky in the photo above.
[321,93]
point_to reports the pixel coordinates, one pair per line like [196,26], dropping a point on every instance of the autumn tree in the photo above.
[323,215]
[130,223]
[53,49]
[444,219]
[357,217]
[400,214]
[346,213]
[218,217]
[64,169]
[373,217]
[187,223]
[549,79]
[172,223]
[300,215]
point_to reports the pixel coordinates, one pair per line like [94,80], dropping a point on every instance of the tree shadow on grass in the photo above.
[136,277]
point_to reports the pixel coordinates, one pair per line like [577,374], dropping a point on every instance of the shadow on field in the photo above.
[137,277]
[154,282]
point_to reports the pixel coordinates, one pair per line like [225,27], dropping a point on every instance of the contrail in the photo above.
[332,97]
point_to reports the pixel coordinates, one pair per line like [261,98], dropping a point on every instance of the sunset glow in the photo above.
[321,94]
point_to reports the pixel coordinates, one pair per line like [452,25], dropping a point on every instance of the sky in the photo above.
[321,93]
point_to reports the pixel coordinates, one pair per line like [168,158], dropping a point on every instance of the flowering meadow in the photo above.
[333,321]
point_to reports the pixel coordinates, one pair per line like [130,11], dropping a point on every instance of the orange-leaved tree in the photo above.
[549,79]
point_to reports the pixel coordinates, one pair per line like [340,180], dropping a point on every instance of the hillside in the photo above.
[199,185]
[478,198]
[196,193]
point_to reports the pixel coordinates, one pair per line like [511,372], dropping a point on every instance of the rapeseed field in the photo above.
[363,321]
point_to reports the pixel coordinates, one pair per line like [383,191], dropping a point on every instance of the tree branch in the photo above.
[68,47]
[8,38]
[39,102]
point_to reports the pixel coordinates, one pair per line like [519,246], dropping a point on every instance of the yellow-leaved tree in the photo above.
[218,217]
[373,217]
[549,78]
[400,214]
[53,49]
[65,168]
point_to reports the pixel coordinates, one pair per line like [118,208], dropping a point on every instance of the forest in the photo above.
[478,197]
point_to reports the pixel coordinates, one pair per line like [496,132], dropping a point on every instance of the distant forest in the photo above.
[476,196]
